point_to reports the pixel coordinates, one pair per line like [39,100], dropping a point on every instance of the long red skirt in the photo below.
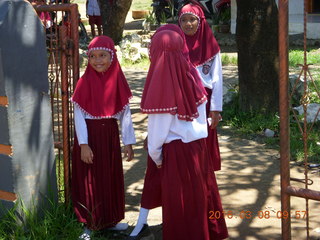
[98,188]
[190,193]
[151,195]
[212,139]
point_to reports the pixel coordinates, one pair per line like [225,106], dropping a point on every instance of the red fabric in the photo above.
[105,94]
[185,52]
[98,188]
[97,20]
[212,140]
[202,45]
[151,195]
[189,193]
[170,87]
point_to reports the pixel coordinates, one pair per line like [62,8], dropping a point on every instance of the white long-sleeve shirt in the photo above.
[127,131]
[211,77]
[165,127]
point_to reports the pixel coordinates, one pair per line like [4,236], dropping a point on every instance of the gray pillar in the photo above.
[27,165]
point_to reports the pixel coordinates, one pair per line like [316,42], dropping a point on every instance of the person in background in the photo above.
[94,15]
[204,53]
[101,97]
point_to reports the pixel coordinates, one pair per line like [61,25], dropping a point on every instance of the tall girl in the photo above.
[177,128]
[204,53]
[101,98]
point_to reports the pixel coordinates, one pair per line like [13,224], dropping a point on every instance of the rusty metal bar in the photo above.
[305,103]
[73,9]
[75,37]
[65,115]
[303,193]
[284,117]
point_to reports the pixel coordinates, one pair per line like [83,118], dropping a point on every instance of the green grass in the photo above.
[252,125]
[57,222]
[297,57]
[229,60]
[141,5]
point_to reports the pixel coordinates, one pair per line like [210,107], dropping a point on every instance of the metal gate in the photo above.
[62,38]
[287,188]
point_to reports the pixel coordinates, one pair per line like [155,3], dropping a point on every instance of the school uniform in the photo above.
[177,128]
[101,100]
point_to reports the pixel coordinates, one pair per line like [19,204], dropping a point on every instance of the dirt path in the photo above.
[249,181]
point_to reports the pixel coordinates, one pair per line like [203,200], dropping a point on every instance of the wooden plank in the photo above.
[6,149]
[8,196]
[3,101]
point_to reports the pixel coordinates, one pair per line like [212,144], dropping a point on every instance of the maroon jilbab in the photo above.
[202,48]
[188,187]
[98,188]
[151,195]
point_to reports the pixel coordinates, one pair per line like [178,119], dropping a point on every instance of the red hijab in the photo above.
[202,45]
[102,95]
[170,87]
[185,52]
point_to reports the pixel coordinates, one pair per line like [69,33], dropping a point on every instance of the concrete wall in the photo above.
[296,8]
[26,143]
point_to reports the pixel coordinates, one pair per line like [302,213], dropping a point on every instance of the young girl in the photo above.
[204,53]
[151,195]
[174,100]
[100,99]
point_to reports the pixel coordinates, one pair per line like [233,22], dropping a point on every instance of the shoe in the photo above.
[145,232]
[86,235]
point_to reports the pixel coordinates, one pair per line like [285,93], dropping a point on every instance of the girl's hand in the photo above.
[86,154]
[128,152]
[159,166]
[215,118]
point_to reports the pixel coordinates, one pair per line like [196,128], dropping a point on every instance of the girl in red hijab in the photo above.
[151,195]
[204,53]
[100,99]
[177,128]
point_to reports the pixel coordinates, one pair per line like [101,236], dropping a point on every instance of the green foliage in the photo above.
[228,60]
[252,124]
[56,222]
[151,18]
[141,5]
[297,57]
[143,63]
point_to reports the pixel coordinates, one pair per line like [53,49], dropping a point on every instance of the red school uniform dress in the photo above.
[100,99]
[151,195]
[204,53]
[173,100]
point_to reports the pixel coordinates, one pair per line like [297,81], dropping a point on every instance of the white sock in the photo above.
[85,234]
[142,219]
[119,227]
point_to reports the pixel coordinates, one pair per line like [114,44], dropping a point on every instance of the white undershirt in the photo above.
[212,79]
[165,127]
[127,131]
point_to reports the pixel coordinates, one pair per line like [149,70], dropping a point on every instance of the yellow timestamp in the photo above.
[247,214]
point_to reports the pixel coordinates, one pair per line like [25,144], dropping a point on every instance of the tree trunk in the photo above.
[258,61]
[114,13]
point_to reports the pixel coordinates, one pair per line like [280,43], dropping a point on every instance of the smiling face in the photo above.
[189,24]
[100,60]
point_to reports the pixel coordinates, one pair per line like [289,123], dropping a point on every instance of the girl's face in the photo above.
[100,60]
[189,24]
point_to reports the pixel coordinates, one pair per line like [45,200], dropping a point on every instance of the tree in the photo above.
[114,13]
[258,61]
